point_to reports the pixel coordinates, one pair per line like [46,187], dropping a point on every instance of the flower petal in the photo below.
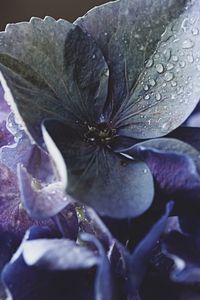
[190,135]
[104,283]
[4,108]
[36,161]
[58,254]
[41,202]
[25,282]
[114,185]
[150,47]
[127,32]
[181,248]
[141,255]
[52,69]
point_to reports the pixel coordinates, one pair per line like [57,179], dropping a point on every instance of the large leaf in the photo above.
[54,70]
[114,185]
[152,50]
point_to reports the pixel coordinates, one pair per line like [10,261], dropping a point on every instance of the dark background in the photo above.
[12,11]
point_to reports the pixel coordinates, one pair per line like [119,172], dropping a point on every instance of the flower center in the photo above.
[100,134]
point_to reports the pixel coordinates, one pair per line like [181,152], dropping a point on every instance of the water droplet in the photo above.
[174,83]
[173,96]
[184,25]
[105,33]
[192,20]
[156,55]
[93,56]
[145,171]
[142,48]
[167,53]
[174,58]
[164,84]
[147,97]
[195,31]
[165,127]
[146,88]
[182,64]
[169,66]
[158,96]
[107,72]
[187,44]
[180,90]
[160,68]
[169,76]
[149,63]
[152,82]
[190,58]
[137,36]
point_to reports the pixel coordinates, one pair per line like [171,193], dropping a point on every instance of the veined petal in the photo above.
[112,184]
[52,69]
[151,47]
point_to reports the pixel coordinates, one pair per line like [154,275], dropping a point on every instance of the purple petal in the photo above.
[190,135]
[176,177]
[141,255]
[104,283]
[35,160]
[41,202]
[25,282]
[13,217]
[182,249]
[58,254]
[6,137]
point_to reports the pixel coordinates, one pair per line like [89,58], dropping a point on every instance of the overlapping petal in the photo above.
[150,47]
[59,74]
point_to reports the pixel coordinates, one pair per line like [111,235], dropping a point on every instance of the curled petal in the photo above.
[41,202]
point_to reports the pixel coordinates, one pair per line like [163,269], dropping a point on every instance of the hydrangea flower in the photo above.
[124,69]
[90,103]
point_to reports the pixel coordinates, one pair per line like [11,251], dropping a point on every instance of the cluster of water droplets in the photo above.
[172,73]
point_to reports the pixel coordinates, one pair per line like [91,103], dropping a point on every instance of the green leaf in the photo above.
[152,50]
[53,70]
